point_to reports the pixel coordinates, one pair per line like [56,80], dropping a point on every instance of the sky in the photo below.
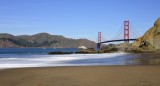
[76,18]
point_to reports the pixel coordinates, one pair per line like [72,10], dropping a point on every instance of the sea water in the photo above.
[38,57]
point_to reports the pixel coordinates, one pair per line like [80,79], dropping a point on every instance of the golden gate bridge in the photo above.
[126,35]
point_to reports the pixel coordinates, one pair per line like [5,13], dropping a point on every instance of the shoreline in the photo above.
[141,75]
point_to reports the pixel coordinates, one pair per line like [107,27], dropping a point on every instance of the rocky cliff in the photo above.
[43,40]
[150,41]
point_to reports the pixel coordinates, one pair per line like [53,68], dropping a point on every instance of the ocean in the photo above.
[38,57]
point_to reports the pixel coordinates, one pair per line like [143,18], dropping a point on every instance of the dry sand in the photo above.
[82,76]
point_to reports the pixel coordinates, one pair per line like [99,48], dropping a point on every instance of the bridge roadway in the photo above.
[119,40]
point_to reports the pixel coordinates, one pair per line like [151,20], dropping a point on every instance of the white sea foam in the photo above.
[17,61]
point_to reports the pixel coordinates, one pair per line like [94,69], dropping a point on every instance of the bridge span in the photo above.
[126,35]
[118,40]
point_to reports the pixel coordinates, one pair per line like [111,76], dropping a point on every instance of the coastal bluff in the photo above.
[150,41]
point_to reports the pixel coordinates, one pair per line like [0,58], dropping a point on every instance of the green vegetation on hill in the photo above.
[43,40]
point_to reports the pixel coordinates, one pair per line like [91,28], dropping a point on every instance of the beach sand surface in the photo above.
[82,76]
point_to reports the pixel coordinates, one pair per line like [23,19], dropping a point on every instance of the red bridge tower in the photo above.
[99,41]
[126,31]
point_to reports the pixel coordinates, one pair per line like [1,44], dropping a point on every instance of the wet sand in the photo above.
[82,76]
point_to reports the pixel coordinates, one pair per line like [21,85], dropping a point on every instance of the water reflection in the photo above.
[127,59]
[147,59]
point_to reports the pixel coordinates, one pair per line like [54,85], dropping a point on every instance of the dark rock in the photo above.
[84,52]
[59,52]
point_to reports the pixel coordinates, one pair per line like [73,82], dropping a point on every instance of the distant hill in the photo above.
[42,40]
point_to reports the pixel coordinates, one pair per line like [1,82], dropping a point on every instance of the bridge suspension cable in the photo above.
[135,31]
[119,33]
[127,31]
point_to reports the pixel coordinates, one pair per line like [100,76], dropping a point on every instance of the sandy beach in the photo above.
[82,76]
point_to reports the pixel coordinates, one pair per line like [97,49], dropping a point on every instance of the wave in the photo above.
[18,61]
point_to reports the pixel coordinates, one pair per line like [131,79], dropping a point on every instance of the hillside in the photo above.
[42,40]
[150,41]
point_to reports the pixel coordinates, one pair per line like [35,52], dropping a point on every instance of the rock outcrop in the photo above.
[150,41]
